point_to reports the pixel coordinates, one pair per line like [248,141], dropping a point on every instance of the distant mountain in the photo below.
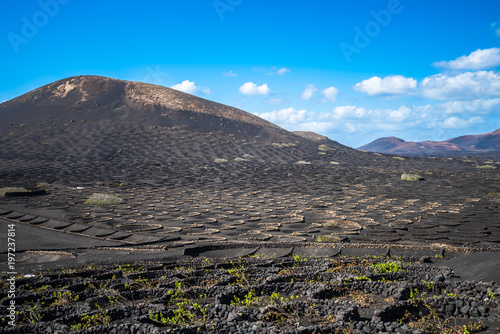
[488,142]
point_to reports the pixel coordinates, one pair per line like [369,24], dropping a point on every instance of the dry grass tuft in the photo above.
[103,199]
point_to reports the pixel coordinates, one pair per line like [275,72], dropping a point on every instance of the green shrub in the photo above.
[410,177]
[11,190]
[486,167]
[386,267]
[220,161]
[494,194]
[399,158]
[103,199]
[278,145]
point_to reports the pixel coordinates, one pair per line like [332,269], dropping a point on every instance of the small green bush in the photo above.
[5,190]
[103,199]
[410,177]
[43,185]
[278,145]
[486,167]
[220,161]
[494,194]
[399,158]
[386,267]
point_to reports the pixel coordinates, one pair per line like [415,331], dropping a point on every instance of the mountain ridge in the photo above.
[487,142]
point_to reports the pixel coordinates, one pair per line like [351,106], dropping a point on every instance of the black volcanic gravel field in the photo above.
[242,248]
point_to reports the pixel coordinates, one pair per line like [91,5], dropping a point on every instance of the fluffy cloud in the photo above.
[400,114]
[282,71]
[273,70]
[330,94]
[458,123]
[467,85]
[250,88]
[285,116]
[189,87]
[390,85]
[308,92]
[479,106]
[347,112]
[477,60]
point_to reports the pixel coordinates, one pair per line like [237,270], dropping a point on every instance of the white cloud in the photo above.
[308,92]
[189,87]
[285,116]
[274,71]
[390,85]
[348,112]
[250,88]
[458,123]
[400,114]
[469,85]
[229,74]
[282,71]
[330,94]
[477,60]
[479,106]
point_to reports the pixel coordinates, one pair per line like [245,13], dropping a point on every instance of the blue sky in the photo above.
[351,70]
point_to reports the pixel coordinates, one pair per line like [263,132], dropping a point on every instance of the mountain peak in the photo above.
[86,92]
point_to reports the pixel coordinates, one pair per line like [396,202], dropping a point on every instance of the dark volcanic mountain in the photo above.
[489,142]
[320,139]
[115,126]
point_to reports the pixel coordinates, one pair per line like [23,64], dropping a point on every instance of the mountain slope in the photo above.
[115,127]
[487,142]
